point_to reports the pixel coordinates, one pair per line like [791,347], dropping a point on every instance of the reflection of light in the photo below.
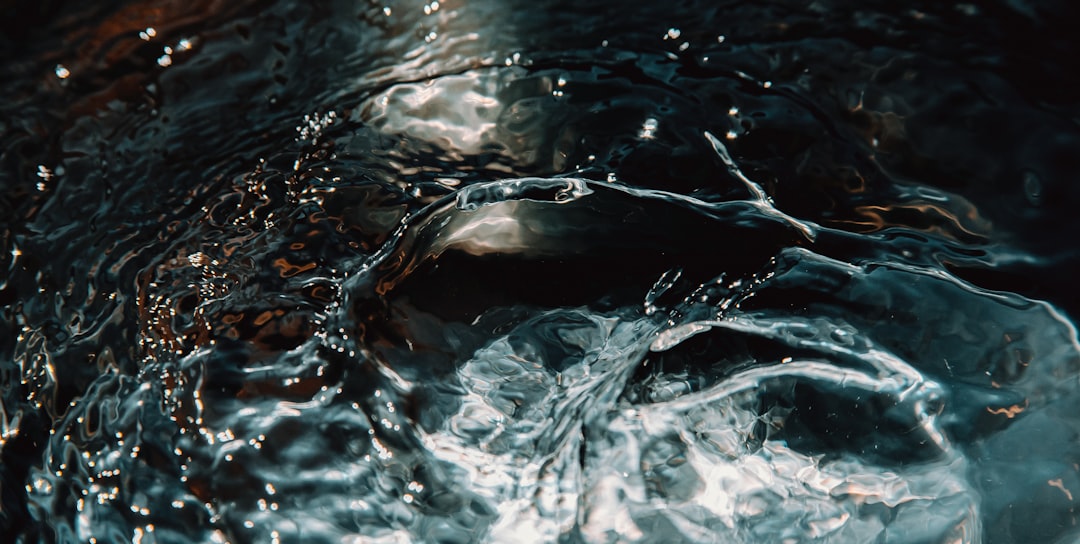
[480,100]
[458,114]
[495,229]
[1061,485]
[648,129]
[941,220]
[1010,412]
[513,59]
[62,72]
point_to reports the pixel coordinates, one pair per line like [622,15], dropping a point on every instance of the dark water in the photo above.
[516,271]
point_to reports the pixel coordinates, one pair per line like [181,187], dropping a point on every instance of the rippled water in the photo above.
[516,271]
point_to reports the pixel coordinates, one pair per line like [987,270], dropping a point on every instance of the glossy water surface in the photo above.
[509,271]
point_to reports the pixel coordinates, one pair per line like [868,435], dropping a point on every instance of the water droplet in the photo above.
[676,335]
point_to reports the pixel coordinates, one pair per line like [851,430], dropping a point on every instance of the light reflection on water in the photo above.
[488,271]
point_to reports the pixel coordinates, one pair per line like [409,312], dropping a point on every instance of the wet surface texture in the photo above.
[539,271]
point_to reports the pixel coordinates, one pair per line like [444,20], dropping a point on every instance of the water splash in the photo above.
[444,271]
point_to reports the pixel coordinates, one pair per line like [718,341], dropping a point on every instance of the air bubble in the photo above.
[1033,188]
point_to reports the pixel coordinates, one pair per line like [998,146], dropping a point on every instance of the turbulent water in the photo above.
[509,271]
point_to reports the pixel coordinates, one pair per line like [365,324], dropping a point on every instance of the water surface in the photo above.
[539,271]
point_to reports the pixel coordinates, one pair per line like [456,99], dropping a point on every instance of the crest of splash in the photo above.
[545,433]
[559,454]
[492,228]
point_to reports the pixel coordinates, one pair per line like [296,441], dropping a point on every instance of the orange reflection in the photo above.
[121,34]
[231,319]
[264,317]
[936,219]
[289,270]
[1061,485]
[1009,412]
